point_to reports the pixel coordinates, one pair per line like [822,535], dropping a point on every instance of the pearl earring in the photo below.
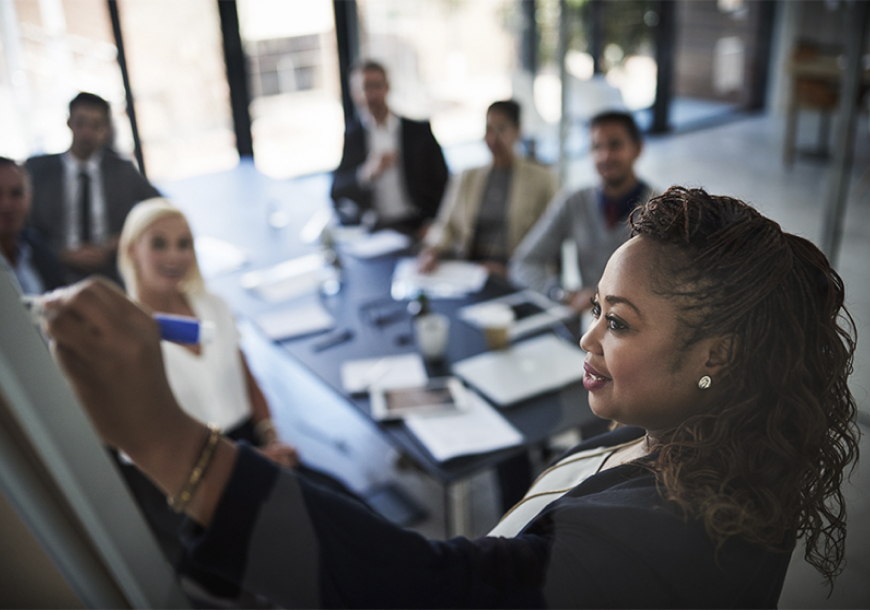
[704,382]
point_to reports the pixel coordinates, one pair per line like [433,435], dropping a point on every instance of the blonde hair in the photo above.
[141,217]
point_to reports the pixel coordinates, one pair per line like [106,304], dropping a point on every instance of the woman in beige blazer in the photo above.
[488,210]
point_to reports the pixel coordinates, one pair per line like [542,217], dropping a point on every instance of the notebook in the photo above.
[524,370]
[302,318]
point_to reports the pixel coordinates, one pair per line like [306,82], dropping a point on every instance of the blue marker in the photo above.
[184,329]
[178,329]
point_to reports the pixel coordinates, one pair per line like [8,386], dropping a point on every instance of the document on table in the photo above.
[451,280]
[405,370]
[477,429]
[377,244]
[216,256]
[287,280]
[302,318]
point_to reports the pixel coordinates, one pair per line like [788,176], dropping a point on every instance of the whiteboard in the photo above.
[59,478]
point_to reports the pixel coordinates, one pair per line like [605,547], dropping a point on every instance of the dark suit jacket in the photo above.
[123,187]
[422,161]
[47,266]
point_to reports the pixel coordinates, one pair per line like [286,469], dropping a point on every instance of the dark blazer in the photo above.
[123,187]
[422,161]
[47,266]
[611,542]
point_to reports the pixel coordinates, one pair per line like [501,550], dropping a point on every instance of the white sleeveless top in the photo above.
[210,386]
[552,484]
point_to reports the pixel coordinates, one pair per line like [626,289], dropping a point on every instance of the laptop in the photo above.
[524,370]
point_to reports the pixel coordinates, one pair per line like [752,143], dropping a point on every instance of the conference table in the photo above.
[378,326]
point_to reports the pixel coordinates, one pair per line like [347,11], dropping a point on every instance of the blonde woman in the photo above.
[212,382]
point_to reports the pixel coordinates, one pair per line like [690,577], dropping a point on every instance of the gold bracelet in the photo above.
[180,502]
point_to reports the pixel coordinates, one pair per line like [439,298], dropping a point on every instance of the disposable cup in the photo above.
[497,320]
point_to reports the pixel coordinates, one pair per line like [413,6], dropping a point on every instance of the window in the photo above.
[49,51]
[297,121]
[178,77]
[448,60]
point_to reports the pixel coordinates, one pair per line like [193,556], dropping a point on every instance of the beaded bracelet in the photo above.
[180,502]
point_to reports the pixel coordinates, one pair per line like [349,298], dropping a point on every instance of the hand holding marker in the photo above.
[175,328]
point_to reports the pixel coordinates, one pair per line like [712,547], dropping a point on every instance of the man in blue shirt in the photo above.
[30,260]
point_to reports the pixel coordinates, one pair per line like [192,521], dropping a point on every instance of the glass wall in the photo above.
[177,73]
[717,43]
[49,51]
[296,113]
[609,63]
[619,36]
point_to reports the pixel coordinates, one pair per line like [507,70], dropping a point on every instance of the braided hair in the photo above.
[766,461]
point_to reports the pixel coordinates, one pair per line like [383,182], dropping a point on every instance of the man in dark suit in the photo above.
[81,197]
[392,170]
[29,259]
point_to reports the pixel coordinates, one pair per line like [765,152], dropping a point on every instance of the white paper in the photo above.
[346,235]
[378,244]
[287,280]
[451,280]
[216,256]
[299,319]
[406,370]
[477,429]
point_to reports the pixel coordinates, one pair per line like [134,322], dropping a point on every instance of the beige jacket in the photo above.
[532,188]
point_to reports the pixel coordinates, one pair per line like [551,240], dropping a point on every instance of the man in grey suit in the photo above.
[81,197]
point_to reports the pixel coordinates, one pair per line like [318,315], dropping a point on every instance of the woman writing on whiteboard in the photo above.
[721,343]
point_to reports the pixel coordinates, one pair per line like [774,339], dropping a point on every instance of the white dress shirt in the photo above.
[389,195]
[210,386]
[29,280]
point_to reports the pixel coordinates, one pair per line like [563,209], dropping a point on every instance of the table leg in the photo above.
[824,134]
[457,509]
[788,149]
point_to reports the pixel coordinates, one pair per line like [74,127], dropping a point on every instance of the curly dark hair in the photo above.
[766,458]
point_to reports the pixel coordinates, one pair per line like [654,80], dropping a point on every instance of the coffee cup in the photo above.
[496,320]
[432,331]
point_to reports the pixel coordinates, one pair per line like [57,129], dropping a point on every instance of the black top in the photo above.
[612,541]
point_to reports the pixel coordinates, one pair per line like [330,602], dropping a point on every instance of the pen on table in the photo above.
[175,328]
[333,339]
